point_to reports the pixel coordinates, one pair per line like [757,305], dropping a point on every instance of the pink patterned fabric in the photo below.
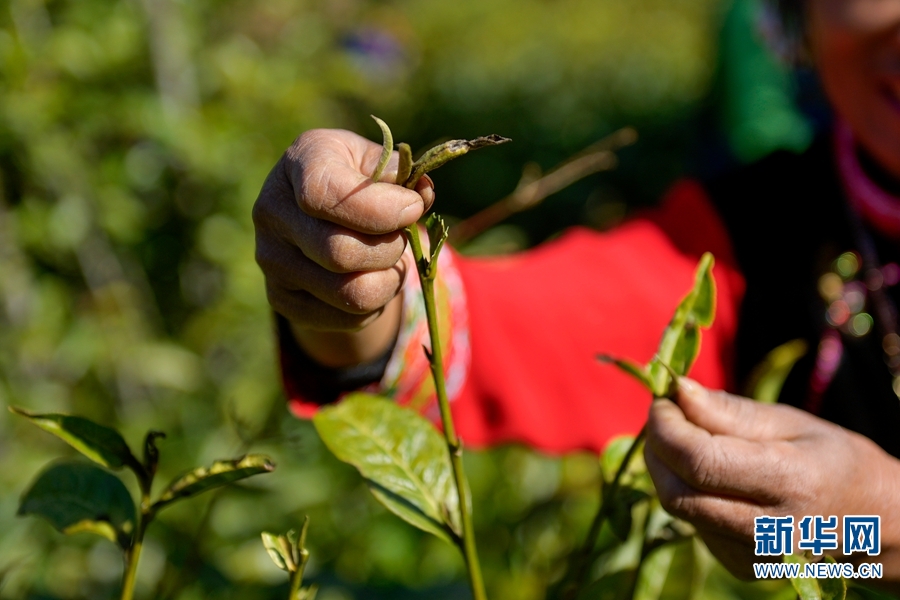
[878,208]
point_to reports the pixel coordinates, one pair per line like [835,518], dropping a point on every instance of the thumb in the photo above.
[726,414]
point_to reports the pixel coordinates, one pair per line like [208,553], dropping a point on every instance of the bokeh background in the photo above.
[134,137]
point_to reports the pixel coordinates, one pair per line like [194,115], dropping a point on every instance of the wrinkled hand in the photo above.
[328,241]
[720,460]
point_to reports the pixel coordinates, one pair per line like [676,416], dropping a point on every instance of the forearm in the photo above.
[337,349]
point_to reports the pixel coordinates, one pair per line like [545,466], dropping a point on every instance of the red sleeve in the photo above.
[538,319]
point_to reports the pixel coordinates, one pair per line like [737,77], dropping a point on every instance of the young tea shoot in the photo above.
[678,348]
[409,467]
[76,496]
[288,552]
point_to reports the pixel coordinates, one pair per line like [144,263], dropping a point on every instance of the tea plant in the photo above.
[408,467]
[75,496]
[288,552]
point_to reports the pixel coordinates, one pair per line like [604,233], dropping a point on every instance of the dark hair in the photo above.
[788,32]
[792,17]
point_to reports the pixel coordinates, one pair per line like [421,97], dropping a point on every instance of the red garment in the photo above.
[538,319]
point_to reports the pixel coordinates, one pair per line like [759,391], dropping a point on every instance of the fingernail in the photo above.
[689,387]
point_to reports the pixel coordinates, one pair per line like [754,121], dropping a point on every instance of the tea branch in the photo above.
[409,174]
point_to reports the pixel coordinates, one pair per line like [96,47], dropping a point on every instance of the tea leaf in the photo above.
[636,476]
[274,545]
[386,150]
[767,378]
[620,519]
[402,457]
[611,586]
[833,588]
[680,341]
[628,366]
[444,153]
[220,473]
[151,452]
[101,444]
[807,589]
[76,496]
[404,166]
[438,232]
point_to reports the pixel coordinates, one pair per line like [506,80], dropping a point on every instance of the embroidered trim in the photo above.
[880,209]
[407,377]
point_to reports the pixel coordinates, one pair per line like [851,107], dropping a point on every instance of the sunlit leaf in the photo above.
[275,546]
[288,551]
[99,443]
[636,476]
[680,579]
[402,457]
[768,377]
[680,341]
[220,473]
[386,149]
[76,497]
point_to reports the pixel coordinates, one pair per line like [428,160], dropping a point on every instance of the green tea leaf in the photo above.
[681,576]
[275,546]
[630,367]
[76,496]
[686,350]
[220,473]
[680,341]
[438,232]
[402,457]
[807,589]
[386,149]
[151,452]
[636,476]
[833,588]
[441,154]
[620,519]
[767,378]
[101,444]
[610,586]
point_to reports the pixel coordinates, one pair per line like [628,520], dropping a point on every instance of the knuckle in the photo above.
[343,255]
[307,139]
[367,292]
[261,213]
[677,503]
[702,466]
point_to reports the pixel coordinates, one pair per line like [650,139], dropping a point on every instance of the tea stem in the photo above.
[296,582]
[435,358]
[133,554]
[583,558]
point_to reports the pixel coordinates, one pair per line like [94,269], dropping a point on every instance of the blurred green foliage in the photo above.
[134,137]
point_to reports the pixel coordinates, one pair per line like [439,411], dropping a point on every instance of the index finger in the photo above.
[720,412]
[329,174]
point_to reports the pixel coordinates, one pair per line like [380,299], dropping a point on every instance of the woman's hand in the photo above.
[719,461]
[328,241]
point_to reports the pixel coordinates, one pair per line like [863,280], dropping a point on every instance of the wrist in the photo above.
[337,349]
